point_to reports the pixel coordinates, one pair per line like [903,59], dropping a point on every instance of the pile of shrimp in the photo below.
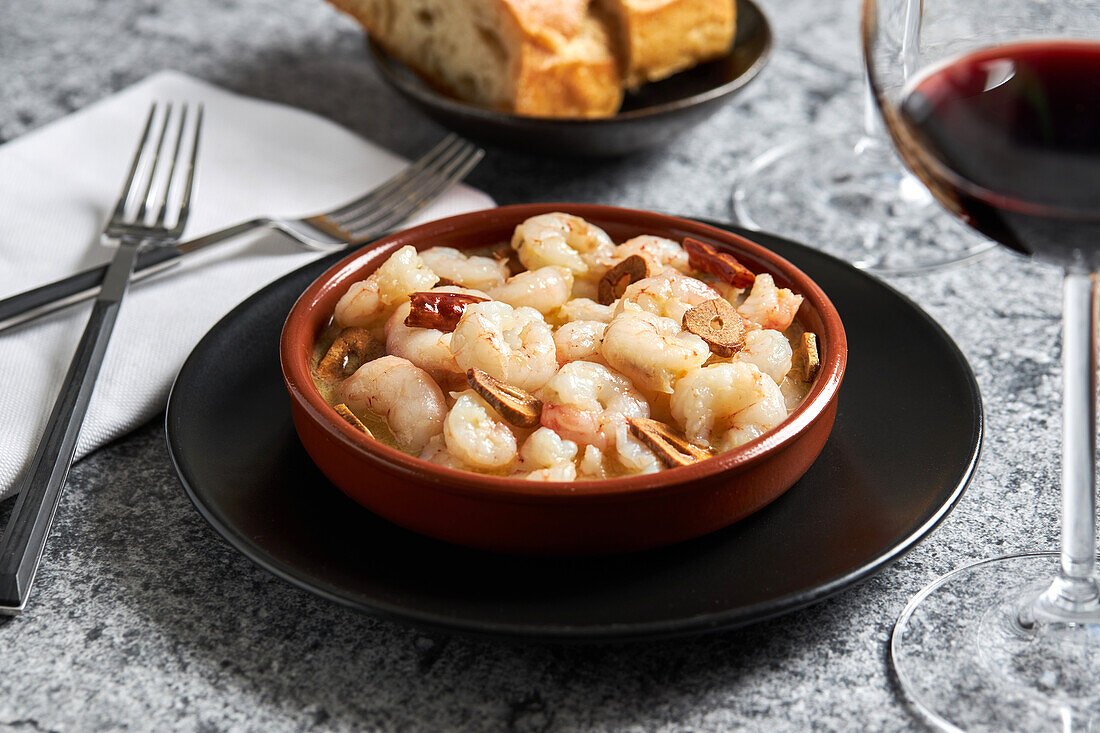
[594,367]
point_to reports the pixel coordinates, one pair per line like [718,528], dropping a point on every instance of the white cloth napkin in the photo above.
[57,186]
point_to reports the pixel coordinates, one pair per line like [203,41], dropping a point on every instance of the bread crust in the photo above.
[545,58]
[579,78]
[547,22]
[657,38]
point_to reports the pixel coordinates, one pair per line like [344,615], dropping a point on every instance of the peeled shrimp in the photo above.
[726,405]
[584,309]
[427,348]
[546,456]
[769,306]
[560,472]
[369,302]
[669,294]
[727,291]
[591,464]
[651,351]
[588,288]
[481,273]
[580,341]
[476,435]
[633,456]
[515,345]
[659,252]
[436,452]
[545,289]
[565,240]
[400,393]
[589,404]
[769,351]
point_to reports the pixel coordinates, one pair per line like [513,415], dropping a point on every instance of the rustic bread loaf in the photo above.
[546,58]
[657,38]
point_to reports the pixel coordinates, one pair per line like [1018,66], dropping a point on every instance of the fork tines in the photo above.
[420,183]
[143,206]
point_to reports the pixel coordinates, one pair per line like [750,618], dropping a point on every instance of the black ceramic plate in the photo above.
[651,116]
[908,397]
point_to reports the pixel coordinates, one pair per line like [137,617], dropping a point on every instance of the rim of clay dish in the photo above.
[304,323]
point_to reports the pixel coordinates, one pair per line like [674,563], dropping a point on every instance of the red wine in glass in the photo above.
[1008,137]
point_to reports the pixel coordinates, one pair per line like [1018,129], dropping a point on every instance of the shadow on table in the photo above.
[6,507]
[203,611]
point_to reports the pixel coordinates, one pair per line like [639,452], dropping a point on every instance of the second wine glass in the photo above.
[849,195]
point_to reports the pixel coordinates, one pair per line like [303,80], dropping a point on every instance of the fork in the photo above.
[40,491]
[355,222]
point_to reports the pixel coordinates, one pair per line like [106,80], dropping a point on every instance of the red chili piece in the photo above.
[724,266]
[440,311]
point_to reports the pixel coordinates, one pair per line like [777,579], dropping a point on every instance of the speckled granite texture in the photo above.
[143,619]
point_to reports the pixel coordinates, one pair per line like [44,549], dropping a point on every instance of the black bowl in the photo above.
[651,116]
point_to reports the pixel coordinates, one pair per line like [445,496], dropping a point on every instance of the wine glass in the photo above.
[995,107]
[848,195]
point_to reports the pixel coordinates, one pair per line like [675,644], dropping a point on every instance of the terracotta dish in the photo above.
[514,515]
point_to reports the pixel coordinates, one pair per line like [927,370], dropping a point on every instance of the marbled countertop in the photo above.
[142,618]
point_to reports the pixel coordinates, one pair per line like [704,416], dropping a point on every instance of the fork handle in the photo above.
[84,285]
[40,491]
[31,304]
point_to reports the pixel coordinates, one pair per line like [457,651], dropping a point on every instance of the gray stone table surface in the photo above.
[144,619]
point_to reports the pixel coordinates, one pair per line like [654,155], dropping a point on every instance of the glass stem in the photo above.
[1075,590]
[870,121]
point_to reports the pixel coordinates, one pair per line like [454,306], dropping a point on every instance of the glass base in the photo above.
[970,654]
[849,195]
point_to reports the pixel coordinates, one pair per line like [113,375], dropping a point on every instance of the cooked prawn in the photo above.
[726,405]
[591,465]
[651,351]
[515,345]
[769,306]
[659,252]
[734,296]
[546,456]
[481,273]
[669,294]
[769,350]
[580,341]
[402,394]
[588,288]
[545,289]
[627,457]
[565,240]
[436,452]
[476,435]
[583,309]
[633,456]
[427,348]
[369,302]
[588,403]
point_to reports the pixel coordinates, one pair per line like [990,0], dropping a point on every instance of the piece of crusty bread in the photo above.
[657,38]
[546,58]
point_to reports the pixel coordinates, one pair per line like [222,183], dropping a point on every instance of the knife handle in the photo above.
[24,538]
[84,285]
